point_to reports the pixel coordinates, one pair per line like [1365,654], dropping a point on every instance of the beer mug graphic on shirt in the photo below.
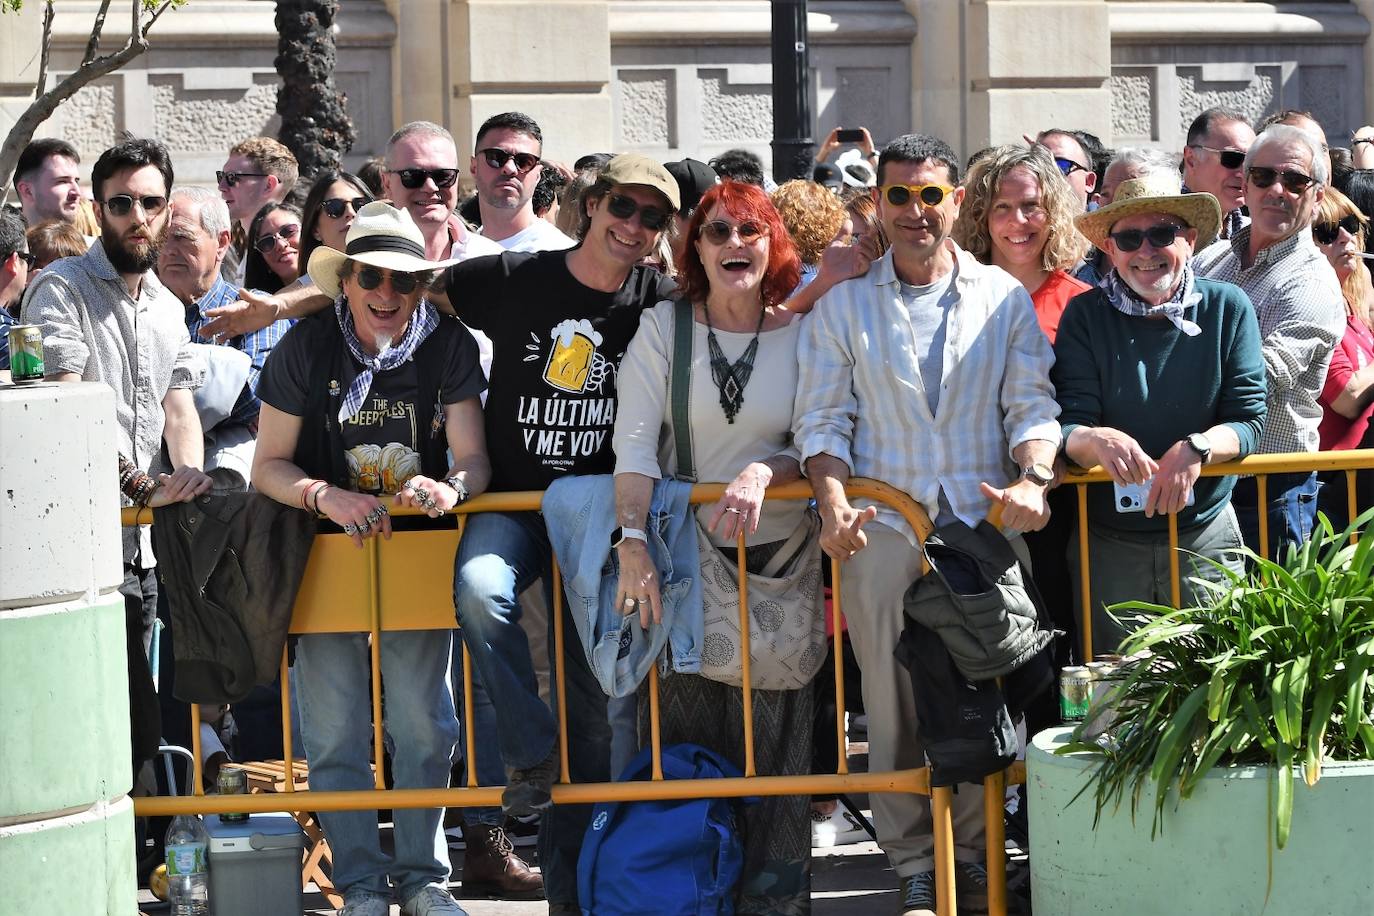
[573,354]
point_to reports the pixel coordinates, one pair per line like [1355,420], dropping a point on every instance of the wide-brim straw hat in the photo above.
[381,236]
[1158,192]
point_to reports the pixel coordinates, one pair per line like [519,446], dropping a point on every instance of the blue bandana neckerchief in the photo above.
[1124,300]
[421,325]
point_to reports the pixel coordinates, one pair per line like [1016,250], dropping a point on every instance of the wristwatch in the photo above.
[1042,474]
[1199,443]
[620,535]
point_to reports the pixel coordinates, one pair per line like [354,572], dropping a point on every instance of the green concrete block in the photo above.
[64,707]
[1212,854]
[78,865]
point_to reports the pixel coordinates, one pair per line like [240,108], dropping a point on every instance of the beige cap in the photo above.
[632,168]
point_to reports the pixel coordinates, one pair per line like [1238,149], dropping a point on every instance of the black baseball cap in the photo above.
[694,178]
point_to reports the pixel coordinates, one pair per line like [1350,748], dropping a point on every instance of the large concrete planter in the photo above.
[1211,857]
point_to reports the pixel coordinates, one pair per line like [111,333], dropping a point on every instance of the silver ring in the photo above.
[375,515]
[350,529]
[631,602]
[364,528]
[408,486]
[734,510]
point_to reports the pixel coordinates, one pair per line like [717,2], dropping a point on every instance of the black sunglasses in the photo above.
[1161,236]
[1067,166]
[122,204]
[1326,233]
[1229,158]
[370,278]
[718,231]
[334,207]
[229,179]
[28,257]
[1293,182]
[497,159]
[931,195]
[266,243]
[414,178]
[651,218]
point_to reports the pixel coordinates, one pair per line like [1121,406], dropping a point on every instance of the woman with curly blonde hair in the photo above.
[813,215]
[1018,215]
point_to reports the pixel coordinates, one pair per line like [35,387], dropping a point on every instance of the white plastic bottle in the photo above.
[188,877]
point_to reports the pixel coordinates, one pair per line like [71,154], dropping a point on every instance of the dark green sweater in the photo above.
[1148,379]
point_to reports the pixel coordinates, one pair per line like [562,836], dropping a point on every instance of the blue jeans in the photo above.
[500,555]
[335,700]
[1292,509]
[482,743]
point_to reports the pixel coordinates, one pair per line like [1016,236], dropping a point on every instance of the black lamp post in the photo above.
[794,148]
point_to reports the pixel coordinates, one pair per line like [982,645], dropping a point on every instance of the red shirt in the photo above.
[1354,351]
[1052,297]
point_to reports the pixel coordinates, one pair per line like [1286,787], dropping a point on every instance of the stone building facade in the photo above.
[692,77]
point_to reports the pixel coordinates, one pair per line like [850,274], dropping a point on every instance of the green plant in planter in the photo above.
[1274,669]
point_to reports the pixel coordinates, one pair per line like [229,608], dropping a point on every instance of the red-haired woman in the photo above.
[737,268]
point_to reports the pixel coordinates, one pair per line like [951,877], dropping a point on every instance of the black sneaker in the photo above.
[918,895]
[529,789]
[971,888]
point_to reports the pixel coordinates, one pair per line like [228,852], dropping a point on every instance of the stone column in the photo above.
[66,821]
[985,72]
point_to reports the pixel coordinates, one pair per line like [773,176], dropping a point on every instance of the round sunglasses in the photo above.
[266,243]
[718,231]
[334,207]
[497,159]
[1161,236]
[930,195]
[369,278]
[415,178]
[1326,233]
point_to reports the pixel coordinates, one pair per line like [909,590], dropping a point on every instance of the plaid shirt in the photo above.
[1301,314]
[257,344]
[860,396]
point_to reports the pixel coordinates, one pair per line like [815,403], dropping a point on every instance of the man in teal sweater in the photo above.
[1157,373]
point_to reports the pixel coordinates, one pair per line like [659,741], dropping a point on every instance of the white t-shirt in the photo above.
[540,235]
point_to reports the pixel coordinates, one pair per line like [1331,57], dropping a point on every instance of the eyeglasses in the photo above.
[718,231]
[1067,166]
[497,159]
[414,178]
[931,195]
[266,243]
[1293,182]
[334,206]
[229,179]
[651,218]
[1161,236]
[122,204]
[1326,233]
[370,278]
[1229,158]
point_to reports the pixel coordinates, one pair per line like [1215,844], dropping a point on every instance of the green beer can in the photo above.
[26,353]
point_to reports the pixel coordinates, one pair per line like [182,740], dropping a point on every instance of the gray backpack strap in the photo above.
[681,392]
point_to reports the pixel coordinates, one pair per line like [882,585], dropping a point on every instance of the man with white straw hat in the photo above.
[1157,372]
[362,405]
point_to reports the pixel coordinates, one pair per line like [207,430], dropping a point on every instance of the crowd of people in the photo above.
[961,331]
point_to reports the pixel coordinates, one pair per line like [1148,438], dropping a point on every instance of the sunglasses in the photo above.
[229,179]
[334,207]
[414,178]
[1161,236]
[123,204]
[651,218]
[1067,166]
[1229,158]
[1293,182]
[370,278]
[718,231]
[28,257]
[497,159]
[931,195]
[1326,233]
[266,243]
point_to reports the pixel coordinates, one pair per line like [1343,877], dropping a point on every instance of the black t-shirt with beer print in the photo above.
[557,346]
[382,441]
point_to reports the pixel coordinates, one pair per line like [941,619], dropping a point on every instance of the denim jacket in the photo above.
[579,512]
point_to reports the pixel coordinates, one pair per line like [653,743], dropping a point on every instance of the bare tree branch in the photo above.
[166,5]
[46,46]
[93,44]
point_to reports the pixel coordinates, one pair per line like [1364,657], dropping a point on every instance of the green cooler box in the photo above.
[255,866]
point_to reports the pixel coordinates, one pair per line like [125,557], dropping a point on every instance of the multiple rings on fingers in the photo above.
[376,514]
[350,529]
[364,527]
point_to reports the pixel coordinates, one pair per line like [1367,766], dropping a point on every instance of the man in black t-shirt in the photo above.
[559,322]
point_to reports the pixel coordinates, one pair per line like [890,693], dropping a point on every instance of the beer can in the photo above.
[232,780]
[26,353]
[1075,693]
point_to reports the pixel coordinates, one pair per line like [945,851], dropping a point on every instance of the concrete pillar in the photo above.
[984,72]
[66,821]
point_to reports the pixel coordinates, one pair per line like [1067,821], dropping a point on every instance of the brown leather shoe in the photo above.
[491,867]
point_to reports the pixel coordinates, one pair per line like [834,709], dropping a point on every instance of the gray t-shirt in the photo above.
[928,307]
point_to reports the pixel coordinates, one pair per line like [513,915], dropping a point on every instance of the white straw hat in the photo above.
[382,236]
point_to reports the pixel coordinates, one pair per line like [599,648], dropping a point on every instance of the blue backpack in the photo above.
[663,858]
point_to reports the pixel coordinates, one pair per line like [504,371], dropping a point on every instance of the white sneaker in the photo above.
[838,828]
[432,900]
[366,905]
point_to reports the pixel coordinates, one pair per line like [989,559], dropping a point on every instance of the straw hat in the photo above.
[1157,192]
[382,236]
